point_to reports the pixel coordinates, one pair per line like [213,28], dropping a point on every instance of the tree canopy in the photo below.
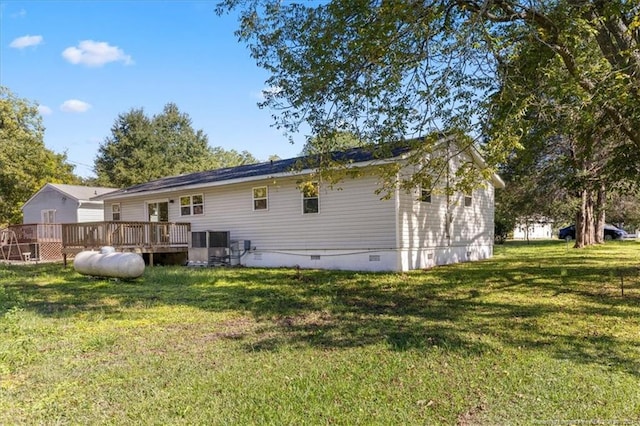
[142,148]
[26,164]
[571,148]
[511,74]
[336,141]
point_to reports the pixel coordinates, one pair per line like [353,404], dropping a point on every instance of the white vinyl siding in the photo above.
[93,214]
[354,230]
[353,217]
[68,209]
[422,224]
[425,224]
[50,199]
[447,221]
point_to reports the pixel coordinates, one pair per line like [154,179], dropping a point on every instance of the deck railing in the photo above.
[125,234]
[38,232]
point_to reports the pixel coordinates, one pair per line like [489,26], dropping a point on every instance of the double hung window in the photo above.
[260,198]
[191,205]
[310,198]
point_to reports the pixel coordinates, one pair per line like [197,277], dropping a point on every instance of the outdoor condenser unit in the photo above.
[210,247]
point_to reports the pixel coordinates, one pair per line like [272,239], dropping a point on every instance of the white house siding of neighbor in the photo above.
[60,203]
[348,227]
[537,229]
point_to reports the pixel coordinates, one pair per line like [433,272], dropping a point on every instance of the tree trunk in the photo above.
[585,230]
[600,214]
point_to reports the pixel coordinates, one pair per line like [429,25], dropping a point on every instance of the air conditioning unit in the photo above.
[210,247]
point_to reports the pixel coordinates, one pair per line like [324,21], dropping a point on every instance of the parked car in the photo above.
[610,233]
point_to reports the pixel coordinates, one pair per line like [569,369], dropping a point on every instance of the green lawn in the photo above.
[540,334]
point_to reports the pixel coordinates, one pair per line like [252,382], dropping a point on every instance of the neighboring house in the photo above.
[40,235]
[533,229]
[60,203]
[281,218]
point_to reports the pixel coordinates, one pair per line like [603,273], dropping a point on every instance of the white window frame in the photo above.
[425,195]
[467,199]
[192,206]
[48,216]
[157,201]
[113,212]
[316,197]
[265,198]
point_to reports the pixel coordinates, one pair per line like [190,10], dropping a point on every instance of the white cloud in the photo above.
[74,105]
[44,110]
[95,54]
[26,41]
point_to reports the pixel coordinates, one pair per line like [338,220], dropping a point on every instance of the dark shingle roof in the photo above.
[354,155]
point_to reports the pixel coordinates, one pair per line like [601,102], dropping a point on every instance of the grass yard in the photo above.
[540,334]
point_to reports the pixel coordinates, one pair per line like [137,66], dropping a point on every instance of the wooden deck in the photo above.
[139,237]
[57,241]
[42,241]
[38,232]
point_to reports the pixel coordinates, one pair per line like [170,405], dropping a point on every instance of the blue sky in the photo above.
[85,62]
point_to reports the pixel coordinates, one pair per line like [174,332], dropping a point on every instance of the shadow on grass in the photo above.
[517,300]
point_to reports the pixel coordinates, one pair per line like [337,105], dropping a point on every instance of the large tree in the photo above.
[397,69]
[570,146]
[143,148]
[26,164]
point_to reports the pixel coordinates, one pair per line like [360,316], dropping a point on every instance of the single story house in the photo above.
[54,204]
[533,229]
[274,214]
[60,203]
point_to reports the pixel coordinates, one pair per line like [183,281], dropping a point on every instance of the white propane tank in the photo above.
[108,263]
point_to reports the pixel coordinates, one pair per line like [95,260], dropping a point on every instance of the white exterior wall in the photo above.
[91,214]
[66,209]
[353,230]
[533,231]
[424,240]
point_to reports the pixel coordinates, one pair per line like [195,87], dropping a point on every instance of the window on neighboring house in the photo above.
[48,216]
[425,196]
[310,198]
[115,212]
[191,205]
[260,198]
[468,200]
